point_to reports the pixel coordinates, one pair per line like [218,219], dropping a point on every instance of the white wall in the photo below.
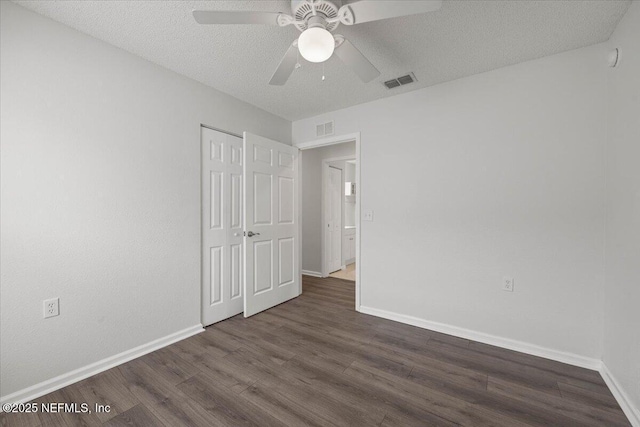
[622,287]
[498,174]
[311,164]
[100,196]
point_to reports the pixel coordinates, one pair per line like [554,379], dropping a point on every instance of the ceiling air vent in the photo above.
[324,129]
[400,81]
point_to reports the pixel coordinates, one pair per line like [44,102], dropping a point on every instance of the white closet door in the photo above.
[272,267]
[222,200]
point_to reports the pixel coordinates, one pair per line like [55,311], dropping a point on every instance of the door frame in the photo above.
[323,142]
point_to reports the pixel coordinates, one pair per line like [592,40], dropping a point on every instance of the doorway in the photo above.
[330,211]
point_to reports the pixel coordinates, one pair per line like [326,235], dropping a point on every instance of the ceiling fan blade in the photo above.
[286,67]
[222,17]
[375,10]
[355,60]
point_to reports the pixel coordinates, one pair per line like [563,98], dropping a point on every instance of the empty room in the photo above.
[320,212]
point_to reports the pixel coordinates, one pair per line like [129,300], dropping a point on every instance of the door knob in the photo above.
[251,234]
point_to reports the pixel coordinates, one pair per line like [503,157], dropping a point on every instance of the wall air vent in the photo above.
[400,81]
[324,129]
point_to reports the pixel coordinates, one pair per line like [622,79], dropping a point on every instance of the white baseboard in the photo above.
[74,376]
[623,400]
[311,273]
[523,347]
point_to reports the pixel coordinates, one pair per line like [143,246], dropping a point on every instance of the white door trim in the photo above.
[332,141]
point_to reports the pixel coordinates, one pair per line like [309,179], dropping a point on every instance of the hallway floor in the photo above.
[348,274]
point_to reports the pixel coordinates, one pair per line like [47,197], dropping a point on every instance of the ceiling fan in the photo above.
[317,19]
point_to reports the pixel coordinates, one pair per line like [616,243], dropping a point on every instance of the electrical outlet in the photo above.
[507,284]
[368,215]
[51,307]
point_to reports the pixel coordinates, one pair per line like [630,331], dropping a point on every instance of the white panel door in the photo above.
[333,219]
[272,269]
[222,201]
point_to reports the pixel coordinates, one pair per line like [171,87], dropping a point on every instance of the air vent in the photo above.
[324,129]
[390,84]
[400,81]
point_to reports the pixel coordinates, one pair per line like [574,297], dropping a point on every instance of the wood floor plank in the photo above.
[225,406]
[169,366]
[195,346]
[313,350]
[588,397]
[138,416]
[283,408]
[506,405]
[108,388]
[180,410]
[221,371]
[586,415]
[600,388]
[499,368]
[285,379]
[410,397]
[74,417]
[397,418]
[261,340]
[143,382]
[555,368]
[19,419]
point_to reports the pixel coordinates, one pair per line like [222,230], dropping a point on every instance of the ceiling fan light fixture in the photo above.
[316,44]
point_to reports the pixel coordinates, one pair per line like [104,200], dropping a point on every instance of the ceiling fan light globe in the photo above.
[316,44]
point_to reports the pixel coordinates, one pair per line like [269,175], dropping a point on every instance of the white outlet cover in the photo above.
[507,284]
[51,307]
[368,215]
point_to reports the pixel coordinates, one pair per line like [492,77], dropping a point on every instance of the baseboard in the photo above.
[35,391]
[523,347]
[632,413]
[311,273]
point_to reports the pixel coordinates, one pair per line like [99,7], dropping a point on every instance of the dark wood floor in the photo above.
[315,361]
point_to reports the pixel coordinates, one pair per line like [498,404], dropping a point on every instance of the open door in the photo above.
[271,237]
[333,201]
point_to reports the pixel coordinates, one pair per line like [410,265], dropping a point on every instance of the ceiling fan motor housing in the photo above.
[303,10]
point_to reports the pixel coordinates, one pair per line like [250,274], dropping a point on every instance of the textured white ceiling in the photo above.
[461,39]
